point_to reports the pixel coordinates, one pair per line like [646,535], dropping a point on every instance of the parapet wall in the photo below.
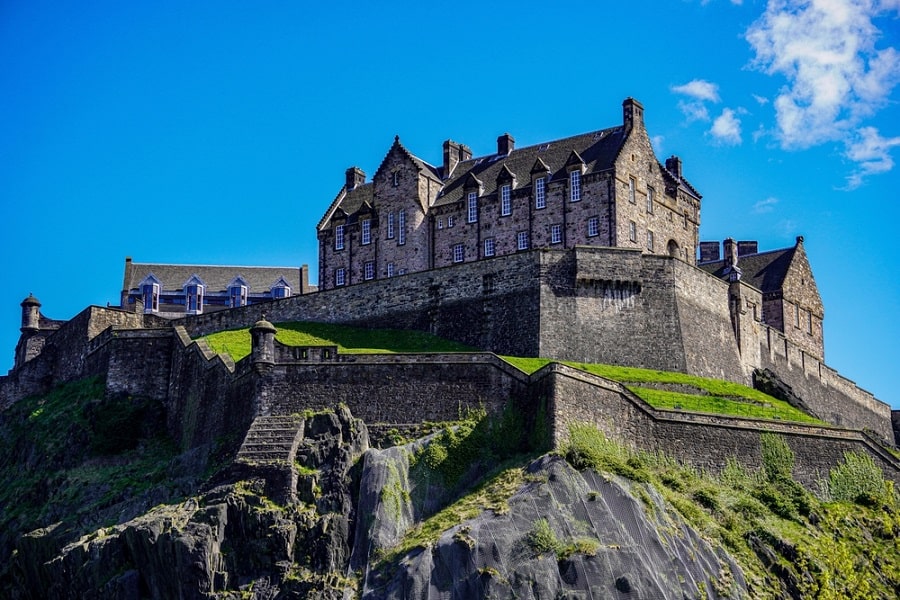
[705,441]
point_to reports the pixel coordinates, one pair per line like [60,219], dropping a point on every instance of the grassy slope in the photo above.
[704,395]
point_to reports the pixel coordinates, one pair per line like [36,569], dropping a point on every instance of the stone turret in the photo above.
[31,314]
[262,345]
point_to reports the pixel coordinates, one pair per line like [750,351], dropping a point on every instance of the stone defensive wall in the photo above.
[705,441]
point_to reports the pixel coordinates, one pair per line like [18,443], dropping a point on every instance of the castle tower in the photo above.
[31,314]
[262,345]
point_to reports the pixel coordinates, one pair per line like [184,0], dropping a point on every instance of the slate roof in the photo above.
[597,149]
[216,277]
[765,271]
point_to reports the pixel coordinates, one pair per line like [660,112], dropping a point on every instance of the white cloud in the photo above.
[761,100]
[698,89]
[835,74]
[765,206]
[871,152]
[726,129]
[657,142]
[693,111]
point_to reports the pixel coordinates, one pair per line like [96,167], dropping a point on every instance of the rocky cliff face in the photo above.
[438,517]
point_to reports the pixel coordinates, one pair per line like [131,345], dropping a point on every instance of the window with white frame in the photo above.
[366,235]
[472,208]
[237,295]
[505,200]
[369,270]
[340,276]
[193,298]
[631,187]
[651,196]
[459,253]
[441,223]
[489,247]
[540,193]
[390,269]
[593,227]
[555,234]
[281,289]
[575,186]
[390,226]
[450,221]
[150,296]
[401,224]
[649,240]
[632,231]
[522,240]
[339,237]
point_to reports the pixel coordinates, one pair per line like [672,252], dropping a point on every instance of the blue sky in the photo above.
[219,132]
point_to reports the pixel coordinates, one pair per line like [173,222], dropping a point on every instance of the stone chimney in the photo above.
[632,114]
[505,144]
[709,251]
[673,165]
[355,177]
[731,252]
[454,153]
[745,248]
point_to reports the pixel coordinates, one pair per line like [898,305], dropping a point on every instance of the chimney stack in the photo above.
[673,165]
[632,113]
[709,252]
[505,144]
[355,177]
[454,153]
[731,252]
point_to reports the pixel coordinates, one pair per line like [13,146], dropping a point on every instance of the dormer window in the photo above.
[238,292]
[150,294]
[366,233]
[472,207]
[540,193]
[194,290]
[505,200]
[575,186]
[339,237]
[281,289]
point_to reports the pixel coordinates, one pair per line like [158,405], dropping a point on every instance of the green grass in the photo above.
[349,340]
[717,396]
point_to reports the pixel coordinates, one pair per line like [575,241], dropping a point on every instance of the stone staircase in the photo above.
[272,439]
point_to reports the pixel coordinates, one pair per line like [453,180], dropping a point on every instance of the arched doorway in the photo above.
[672,248]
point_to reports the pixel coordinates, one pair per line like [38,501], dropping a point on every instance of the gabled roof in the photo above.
[421,165]
[598,150]
[765,271]
[215,277]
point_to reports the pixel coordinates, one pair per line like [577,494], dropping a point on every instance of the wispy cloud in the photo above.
[726,129]
[765,206]
[699,89]
[826,50]
[657,142]
[871,152]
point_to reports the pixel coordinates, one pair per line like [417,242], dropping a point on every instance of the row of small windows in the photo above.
[366,231]
[340,274]
[540,199]
[195,296]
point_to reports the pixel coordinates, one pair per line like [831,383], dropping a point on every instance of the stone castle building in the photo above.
[604,188]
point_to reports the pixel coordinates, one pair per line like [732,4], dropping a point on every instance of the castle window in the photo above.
[540,193]
[193,297]
[441,223]
[685,219]
[340,276]
[390,226]
[237,296]
[369,270]
[281,289]
[450,221]
[650,198]
[488,247]
[575,186]
[555,234]
[472,215]
[522,240]
[390,269]
[632,231]
[593,227]
[459,253]
[339,237]
[631,187]
[395,178]
[150,296]
[809,323]
[796,316]
[366,231]
[401,223]
[505,201]
[649,240]
[401,272]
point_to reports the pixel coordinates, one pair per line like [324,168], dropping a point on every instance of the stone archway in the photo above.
[672,249]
